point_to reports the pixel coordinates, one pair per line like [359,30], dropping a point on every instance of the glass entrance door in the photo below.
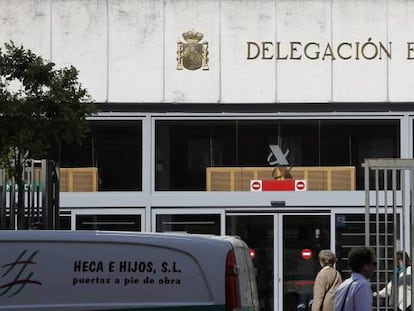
[302,237]
[258,232]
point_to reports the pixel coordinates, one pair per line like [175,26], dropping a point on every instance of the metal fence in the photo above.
[41,197]
[389,220]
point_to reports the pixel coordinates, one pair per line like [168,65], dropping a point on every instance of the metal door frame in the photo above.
[279,217]
[264,212]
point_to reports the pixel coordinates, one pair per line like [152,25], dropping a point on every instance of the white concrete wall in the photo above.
[126,49]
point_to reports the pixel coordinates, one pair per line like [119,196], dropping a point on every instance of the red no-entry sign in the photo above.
[306,253]
[255,185]
[300,185]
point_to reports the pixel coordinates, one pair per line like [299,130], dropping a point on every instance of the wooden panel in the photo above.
[341,179]
[242,179]
[299,173]
[319,178]
[264,174]
[220,180]
[63,181]
[79,179]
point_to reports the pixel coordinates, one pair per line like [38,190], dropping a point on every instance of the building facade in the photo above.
[198,99]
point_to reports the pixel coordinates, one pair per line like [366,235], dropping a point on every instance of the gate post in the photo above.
[50,195]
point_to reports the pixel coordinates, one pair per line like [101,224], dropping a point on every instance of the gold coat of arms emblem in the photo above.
[192,54]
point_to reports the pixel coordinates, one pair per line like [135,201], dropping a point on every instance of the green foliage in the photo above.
[39,106]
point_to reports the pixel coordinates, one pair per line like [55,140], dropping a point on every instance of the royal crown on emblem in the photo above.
[193,36]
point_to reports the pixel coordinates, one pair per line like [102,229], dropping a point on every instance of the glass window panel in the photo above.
[114,148]
[118,155]
[258,233]
[109,222]
[190,223]
[64,222]
[303,239]
[335,141]
[253,140]
[301,138]
[185,149]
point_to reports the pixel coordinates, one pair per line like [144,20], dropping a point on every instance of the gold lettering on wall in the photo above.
[346,50]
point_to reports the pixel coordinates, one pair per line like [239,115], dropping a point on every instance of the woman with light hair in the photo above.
[326,282]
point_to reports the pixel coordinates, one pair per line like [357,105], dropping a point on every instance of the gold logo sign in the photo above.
[192,54]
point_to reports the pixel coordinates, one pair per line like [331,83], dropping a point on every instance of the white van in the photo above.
[95,270]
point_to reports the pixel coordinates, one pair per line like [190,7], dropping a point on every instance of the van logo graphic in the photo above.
[17,275]
[192,55]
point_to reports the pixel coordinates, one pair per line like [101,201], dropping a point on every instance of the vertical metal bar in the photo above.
[56,182]
[37,190]
[367,202]
[31,190]
[411,222]
[3,206]
[38,195]
[386,237]
[12,194]
[403,202]
[50,195]
[377,229]
[27,201]
[403,240]
[395,229]
[45,194]
[6,193]
[27,195]
[376,211]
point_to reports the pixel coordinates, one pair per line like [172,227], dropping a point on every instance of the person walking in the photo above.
[326,282]
[403,272]
[355,293]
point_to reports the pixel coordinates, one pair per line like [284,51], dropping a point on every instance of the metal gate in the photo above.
[388,225]
[41,197]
